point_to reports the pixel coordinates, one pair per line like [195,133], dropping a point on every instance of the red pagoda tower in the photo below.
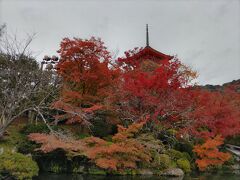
[148,53]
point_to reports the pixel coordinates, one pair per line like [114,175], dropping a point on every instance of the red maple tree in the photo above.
[87,77]
[155,87]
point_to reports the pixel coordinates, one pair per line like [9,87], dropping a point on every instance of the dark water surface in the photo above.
[219,176]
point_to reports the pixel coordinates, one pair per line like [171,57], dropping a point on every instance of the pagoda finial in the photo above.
[147,36]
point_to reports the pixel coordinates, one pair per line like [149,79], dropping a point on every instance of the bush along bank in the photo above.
[131,151]
[17,165]
[154,156]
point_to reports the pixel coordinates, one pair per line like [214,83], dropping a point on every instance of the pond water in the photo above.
[212,176]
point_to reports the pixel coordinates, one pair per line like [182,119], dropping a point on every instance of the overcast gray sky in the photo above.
[205,34]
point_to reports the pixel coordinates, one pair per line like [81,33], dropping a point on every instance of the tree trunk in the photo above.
[2,130]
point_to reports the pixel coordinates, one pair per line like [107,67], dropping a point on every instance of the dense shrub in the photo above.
[233,140]
[163,161]
[184,146]
[27,147]
[35,128]
[174,154]
[154,145]
[180,159]
[18,165]
[184,164]
[103,124]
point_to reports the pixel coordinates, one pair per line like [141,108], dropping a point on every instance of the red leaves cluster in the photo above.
[214,113]
[80,57]
[161,88]
[84,66]
[87,77]
[154,86]
[209,154]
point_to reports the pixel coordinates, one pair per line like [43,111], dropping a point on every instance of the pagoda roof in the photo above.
[149,53]
[152,53]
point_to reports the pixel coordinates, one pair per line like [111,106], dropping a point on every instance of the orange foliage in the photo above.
[50,142]
[124,152]
[209,154]
[72,114]
[124,133]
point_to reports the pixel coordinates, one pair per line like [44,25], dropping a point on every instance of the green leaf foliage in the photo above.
[18,166]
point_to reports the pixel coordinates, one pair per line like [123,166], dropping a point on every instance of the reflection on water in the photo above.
[49,176]
[99,177]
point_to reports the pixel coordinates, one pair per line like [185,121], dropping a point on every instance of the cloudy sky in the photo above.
[204,34]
